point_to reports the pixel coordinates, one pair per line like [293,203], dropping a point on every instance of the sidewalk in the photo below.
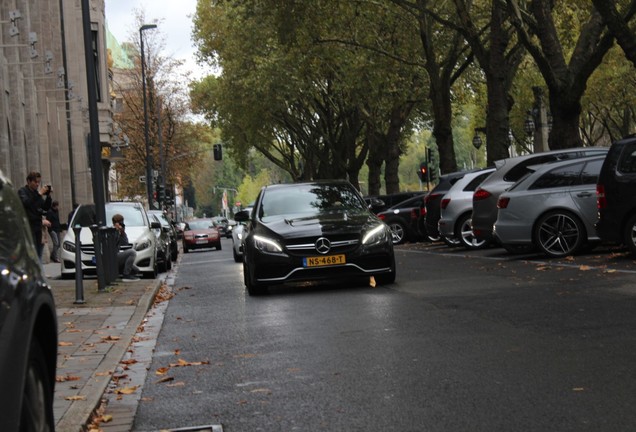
[93,338]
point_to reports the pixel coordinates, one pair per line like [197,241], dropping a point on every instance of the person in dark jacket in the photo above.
[125,256]
[53,216]
[36,201]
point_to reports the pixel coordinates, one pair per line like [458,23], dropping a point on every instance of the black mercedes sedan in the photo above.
[315,231]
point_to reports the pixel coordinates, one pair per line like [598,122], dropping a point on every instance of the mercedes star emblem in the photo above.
[323,245]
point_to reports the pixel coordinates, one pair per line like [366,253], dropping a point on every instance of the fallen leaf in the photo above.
[126,390]
[182,362]
[610,271]
[63,378]
[162,371]
[585,268]
[63,344]
[106,418]
[75,398]
[129,361]
[110,338]
[372,282]
[578,389]
[165,379]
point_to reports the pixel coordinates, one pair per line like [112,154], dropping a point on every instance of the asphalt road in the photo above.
[464,341]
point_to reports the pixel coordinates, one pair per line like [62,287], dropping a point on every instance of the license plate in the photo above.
[202,241]
[326,260]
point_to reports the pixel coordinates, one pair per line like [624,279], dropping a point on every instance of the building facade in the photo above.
[44,122]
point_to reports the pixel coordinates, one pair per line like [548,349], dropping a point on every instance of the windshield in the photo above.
[85,215]
[310,199]
[200,224]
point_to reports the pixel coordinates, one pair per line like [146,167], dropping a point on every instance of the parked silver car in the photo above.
[508,172]
[456,211]
[552,209]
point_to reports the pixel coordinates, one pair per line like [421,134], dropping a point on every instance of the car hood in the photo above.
[322,224]
[86,235]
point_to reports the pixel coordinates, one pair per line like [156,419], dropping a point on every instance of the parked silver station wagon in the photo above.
[552,208]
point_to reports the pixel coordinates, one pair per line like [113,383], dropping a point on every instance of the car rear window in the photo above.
[627,162]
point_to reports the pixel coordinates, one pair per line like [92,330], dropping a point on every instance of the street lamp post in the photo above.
[149,178]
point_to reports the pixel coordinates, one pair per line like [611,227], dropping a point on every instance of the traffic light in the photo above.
[161,192]
[218,151]
[169,195]
[422,172]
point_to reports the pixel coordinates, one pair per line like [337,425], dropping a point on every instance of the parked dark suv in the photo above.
[616,195]
[28,324]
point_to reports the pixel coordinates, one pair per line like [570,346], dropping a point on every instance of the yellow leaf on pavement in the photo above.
[75,398]
[126,390]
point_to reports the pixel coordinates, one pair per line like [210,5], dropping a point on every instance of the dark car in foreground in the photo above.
[313,231]
[200,234]
[28,324]
[616,195]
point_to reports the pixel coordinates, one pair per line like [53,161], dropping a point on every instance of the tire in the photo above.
[152,274]
[185,249]
[432,238]
[237,257]
[253,289]
[169,262]
[37,399]
[175,252]
[398,232]
[218,246]
[464,232]
[629,234]
[385,278]
[558,234]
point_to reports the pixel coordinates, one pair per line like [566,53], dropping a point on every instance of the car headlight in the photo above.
[69,246]
[265,244]
[375,235]
[239,236]
[143,244]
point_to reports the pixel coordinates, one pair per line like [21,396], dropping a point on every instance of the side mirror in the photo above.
[155,225]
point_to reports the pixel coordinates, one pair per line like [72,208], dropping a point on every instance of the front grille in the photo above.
[307,246]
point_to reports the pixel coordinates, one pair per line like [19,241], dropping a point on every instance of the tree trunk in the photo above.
[374,161]
[566,111]
[442,127]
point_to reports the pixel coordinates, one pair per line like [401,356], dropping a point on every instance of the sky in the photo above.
[174,22]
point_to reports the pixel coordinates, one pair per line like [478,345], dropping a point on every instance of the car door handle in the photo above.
[584,194]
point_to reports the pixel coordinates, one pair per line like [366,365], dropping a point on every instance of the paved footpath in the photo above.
[93,339]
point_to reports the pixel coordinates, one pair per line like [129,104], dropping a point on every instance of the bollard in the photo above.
[99,259]
[108,242]
[79,283]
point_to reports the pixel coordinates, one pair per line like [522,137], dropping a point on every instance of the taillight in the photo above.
[415,213]
[502,203]
[445,203]
[381,216]
[601,201]
[481,194]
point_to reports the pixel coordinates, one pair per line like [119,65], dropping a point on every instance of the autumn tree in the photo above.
[174,140]
[567,41]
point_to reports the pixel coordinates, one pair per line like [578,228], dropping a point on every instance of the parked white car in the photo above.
[139,230]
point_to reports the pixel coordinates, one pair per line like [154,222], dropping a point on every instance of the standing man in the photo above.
[36,201]
[53,216]
[125,257]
